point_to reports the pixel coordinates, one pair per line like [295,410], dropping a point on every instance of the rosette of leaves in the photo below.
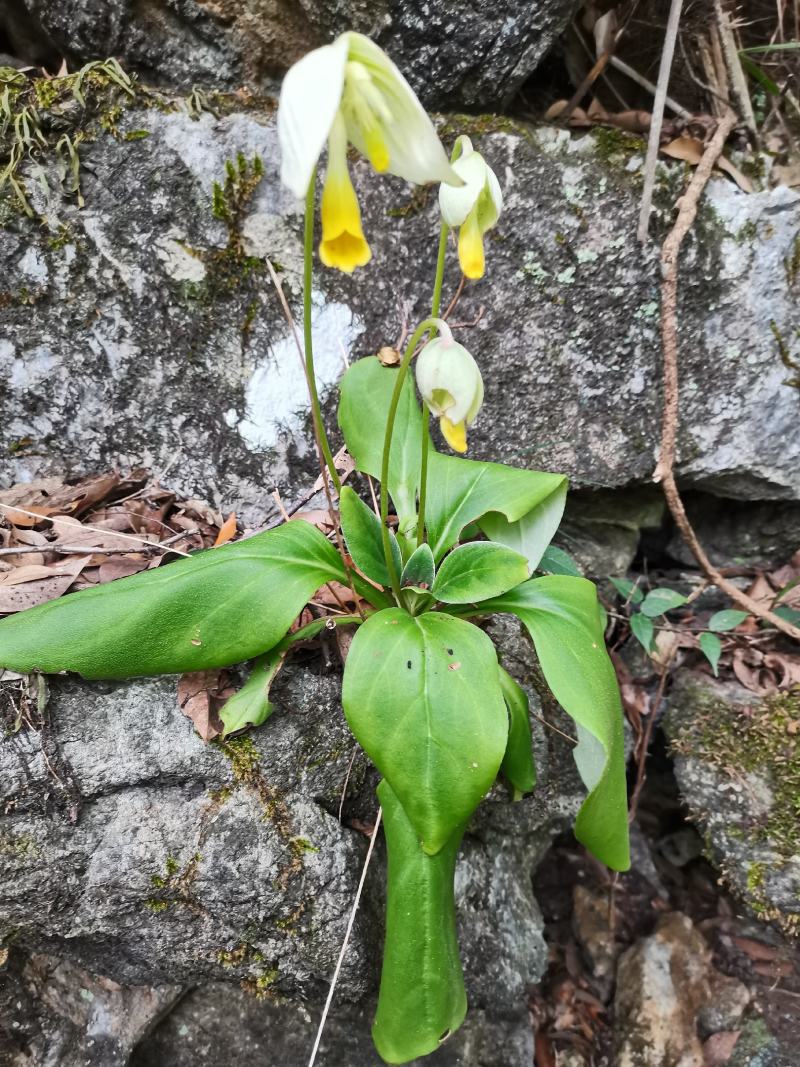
[423,690]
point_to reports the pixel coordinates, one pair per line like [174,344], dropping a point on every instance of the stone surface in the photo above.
[463,54]
[223,1026]
[54,1013]
[663,983]
[737,762]
[132,849]
[147,332]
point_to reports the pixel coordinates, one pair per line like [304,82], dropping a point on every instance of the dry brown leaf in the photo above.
[718,1050]
[344,464]
[28,572]
[756,950]
[690,149]
[319,517]
[121,568]
[389,356]
[31,594]
[29,517]
[555,110]
[196,693]
[788,175]
[226,531]
[24,493]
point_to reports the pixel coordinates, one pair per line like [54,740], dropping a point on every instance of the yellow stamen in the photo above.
[470,247]
[343,244]
[455,433]
[376,149]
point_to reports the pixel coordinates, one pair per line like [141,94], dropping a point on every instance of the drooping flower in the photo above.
[474,207]
[451,384]
[351,92]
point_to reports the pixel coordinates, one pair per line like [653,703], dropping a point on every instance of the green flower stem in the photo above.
[426,415]
[308,258]
[411,347]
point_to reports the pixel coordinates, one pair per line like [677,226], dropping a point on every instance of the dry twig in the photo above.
[654,139]
[664,472]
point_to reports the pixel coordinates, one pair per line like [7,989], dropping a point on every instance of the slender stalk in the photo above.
[308,258]
[436,303]
[411,347]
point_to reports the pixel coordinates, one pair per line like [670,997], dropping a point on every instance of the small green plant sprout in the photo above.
[423,689]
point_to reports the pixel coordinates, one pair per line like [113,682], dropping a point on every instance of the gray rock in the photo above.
[54,1013]
[156,340]
[466,54]
[737,762]
[218,1025]
[665,983]
[138,853]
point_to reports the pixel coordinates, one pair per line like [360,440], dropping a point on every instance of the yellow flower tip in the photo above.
[470,249]
[345,252]
[455,433]
[343,244]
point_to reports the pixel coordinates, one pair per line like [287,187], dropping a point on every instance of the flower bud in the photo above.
[450,383]
[474,207]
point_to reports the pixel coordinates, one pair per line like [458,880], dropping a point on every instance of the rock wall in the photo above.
[142,329]
[458,54]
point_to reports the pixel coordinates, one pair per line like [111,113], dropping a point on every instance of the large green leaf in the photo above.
[478,570]
[362,532]
[422,998]
[422,696]
[218,607]
[561,615]
[366,391]
[518,508]
[518,765]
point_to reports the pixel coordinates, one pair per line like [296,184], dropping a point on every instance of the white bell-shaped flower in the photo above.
[350,91]
[450,382]
[474,207]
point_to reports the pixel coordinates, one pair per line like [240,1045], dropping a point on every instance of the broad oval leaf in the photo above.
[517,508]
[561,615]
[711,647]
[659,601]
[518,766]
[365,395]
[362,533]
[422,997]
[644,631]
[728,619]
[420,569]
[422,697]
[221,606]
[556,561]
[477,571]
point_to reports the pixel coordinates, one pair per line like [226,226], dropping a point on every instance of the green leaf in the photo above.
[420,569]
[517,508]
[218,607]
[560,613]
[517,766]
[759,75]
[643,630]
[556,561]
[422,697]
[628,590]
[728,619]
[660,601]
[711,647]
[251,705]
[422,998]
[792,615]
[366,391]
[477,571]
[362,533]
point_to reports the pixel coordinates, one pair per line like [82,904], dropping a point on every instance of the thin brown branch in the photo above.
[643,744]
[664,472]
